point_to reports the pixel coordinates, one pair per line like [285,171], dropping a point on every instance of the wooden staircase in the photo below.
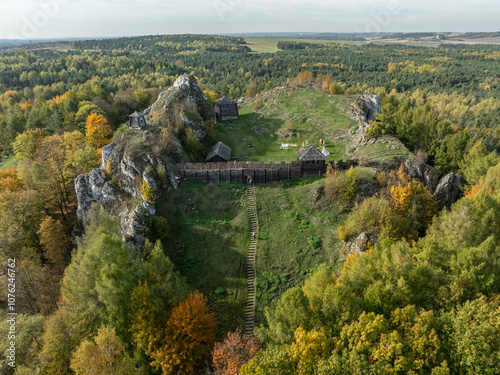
[252,249]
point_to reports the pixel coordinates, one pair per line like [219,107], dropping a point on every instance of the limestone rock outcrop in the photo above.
[448,190]
[183,102]
[117,188]
[134,160]
[361,243]
[368,106]
[88,189]
[364,110]
[423,172]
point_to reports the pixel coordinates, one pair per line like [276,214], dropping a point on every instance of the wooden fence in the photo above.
[240,172]
[259,172]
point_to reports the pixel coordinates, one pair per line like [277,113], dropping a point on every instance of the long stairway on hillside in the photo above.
[252,249]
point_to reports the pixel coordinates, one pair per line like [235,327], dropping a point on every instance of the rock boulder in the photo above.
[360,244]
[423,172]
[370,107]
[448,190]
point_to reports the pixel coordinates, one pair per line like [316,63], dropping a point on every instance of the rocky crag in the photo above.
[364,109]
[137,159]
[183,103]
[446,191]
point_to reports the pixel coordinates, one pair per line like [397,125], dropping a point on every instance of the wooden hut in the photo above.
[313,162]
[136,120]
[226,109]
[219,153]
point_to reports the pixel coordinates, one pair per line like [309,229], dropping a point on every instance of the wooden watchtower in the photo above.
[313,162]
[137,120]
[226,109]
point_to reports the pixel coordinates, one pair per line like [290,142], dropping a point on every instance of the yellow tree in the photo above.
[212,96]
[307,349]
[104,357]
[9,180]
[147,192]
[98,131]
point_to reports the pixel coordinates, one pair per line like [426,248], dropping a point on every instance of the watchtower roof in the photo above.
[137,114]
[310,154]
[225,100]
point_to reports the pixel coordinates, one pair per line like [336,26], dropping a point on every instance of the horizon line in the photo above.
[62,39]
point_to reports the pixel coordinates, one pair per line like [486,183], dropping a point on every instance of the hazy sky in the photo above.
[32,19]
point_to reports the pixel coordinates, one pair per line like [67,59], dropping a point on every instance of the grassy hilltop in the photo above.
[297,223]
[292,116]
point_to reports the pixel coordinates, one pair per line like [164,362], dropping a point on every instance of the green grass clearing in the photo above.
[210,228]
[309,114]
[293,221]
[383,147]
[210,234]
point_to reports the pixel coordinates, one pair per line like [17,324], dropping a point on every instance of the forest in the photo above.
[424,298]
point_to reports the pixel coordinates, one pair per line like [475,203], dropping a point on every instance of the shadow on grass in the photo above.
[209,237]
[213,263]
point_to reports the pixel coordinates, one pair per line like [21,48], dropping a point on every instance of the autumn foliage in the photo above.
[98,131]
[236,350]
[147,192]
[473,190]
[105,355]
[53,239]
[188,338]
[303,79]
[9,180]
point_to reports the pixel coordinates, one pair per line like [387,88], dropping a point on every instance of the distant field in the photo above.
[433,42]
[486,40]
[270,45]
[7,162]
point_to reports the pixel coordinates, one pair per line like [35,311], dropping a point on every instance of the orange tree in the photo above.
[188,338]
[236,350]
